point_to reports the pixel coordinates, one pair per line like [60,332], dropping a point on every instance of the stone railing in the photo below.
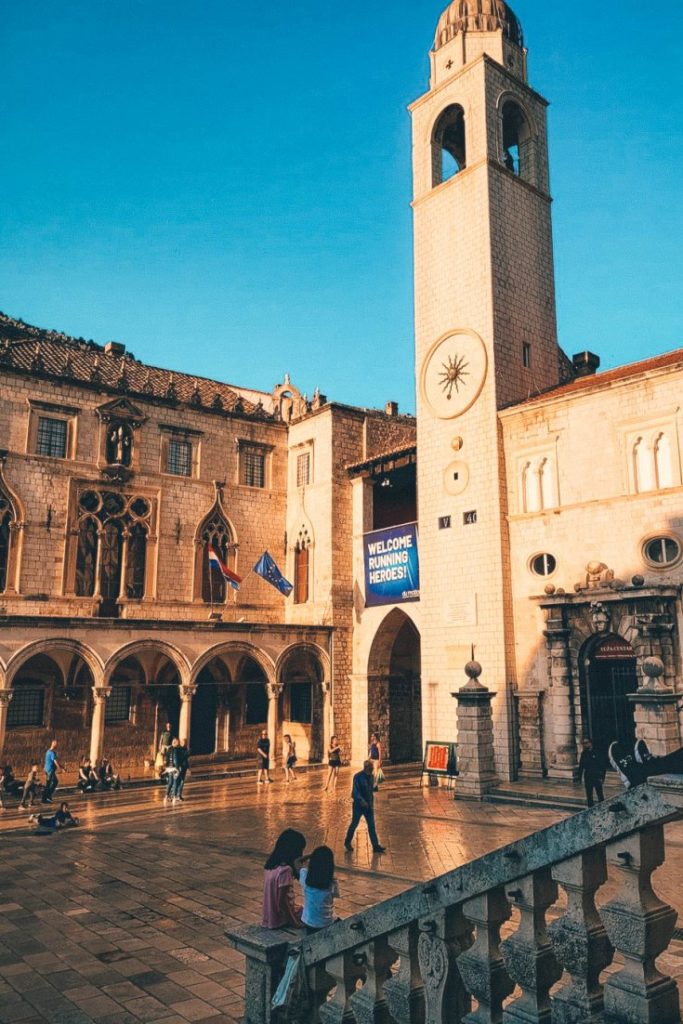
[433,955]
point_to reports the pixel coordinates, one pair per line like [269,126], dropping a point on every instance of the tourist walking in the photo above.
[165,741]
[320,890]
[363,797]
[31,787]
[174,760]
[263,758]
[184,755]
[289,758]
[50,768]
[280,909]
[592,769]
[334,754]
[375,755]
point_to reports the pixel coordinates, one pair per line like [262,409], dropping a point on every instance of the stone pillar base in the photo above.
[476,762]
[656,716]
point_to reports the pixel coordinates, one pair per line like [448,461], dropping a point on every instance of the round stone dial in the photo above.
[453,373]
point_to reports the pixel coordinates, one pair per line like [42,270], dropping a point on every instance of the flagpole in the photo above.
[210,580]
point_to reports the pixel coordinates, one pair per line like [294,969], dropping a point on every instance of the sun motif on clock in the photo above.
[453,375]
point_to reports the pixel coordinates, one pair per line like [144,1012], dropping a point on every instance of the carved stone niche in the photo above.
[120,419]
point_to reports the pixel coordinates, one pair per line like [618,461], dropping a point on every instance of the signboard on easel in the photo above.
[440,760]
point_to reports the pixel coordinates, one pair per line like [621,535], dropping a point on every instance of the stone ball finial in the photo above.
[477,16]
[653,668]
[638,581]
[473,670]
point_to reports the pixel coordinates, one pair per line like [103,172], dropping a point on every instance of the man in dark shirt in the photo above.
[363,807]
[592,771]
[263,758]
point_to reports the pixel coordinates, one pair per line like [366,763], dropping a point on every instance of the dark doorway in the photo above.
[203,722]
[611,674]
[405,698]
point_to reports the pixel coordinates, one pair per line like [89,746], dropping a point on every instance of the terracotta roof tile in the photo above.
[51,354]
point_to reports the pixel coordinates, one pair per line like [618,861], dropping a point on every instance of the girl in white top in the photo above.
[320,890]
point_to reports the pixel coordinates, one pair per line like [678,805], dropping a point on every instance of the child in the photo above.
[31,787]
[334,762]
[279,905]
[289,757]
[320,890]
[63,818]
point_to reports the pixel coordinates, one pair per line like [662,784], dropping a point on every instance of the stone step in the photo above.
[543,803]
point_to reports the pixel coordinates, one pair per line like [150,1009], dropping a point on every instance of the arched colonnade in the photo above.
[219,700]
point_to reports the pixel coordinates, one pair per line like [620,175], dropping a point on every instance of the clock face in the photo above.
[453,373]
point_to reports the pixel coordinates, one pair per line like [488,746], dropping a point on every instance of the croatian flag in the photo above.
[268,570]
[230,577]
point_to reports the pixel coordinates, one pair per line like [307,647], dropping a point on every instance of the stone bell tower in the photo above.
[485,338]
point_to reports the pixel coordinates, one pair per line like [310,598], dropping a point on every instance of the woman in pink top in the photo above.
[280,909]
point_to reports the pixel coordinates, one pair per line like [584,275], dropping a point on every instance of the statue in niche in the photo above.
[119,445]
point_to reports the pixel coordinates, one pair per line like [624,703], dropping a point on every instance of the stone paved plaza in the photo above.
[123,920]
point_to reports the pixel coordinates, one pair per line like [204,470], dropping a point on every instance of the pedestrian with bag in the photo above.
[174,760]
[363,797]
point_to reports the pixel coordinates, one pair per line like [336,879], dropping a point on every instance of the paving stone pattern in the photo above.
[123,920]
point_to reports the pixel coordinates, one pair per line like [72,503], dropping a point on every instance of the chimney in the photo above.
[114,348]
[391,409]
[585,364]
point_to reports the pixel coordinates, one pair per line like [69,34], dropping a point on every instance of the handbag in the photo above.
[292,997]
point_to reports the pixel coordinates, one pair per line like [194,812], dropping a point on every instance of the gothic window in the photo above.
[663,463]
[86,557]
[51,437]
[119,444]
[6,519]
[215,536]
[111,551]
[448,144]
[518,144]
[302,568]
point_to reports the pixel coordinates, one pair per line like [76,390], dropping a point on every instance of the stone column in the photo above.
[359,718]
[563,759]
[655,710]
[5,698]
[186,695]
[476,762]
[530,717]
[327,717]
[274,691]
[100,696]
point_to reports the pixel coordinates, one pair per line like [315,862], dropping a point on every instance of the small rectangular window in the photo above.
[117,708]
[26,707]
[252,468]
[526,355]
[303,469]
[179,459]
[51,439]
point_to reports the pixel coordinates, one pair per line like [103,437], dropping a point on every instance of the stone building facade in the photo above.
[549,521]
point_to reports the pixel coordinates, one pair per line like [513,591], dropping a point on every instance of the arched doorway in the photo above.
[394,688]
[210,722]
[145,696]
[609,674]
[301,703]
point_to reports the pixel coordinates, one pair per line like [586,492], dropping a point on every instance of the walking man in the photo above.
[363,807]
[592,770]
[51,779]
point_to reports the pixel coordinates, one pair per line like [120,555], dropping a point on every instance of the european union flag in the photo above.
[268,570]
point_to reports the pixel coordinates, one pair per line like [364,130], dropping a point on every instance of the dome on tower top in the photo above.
[477,16]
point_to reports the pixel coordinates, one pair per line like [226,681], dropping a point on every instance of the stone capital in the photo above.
[5,697]
[274,690]
[187,692]
[101,693]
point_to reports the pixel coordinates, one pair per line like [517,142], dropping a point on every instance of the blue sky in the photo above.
[225,188]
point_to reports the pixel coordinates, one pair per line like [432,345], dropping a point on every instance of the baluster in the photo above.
[320,985]
[404,991]
[579,939]
[528,954]
[345,970]
[640,926]
[442,940]
[368,1003]
[482,967]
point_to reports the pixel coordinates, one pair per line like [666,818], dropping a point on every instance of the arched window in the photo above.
[642,467]
[5,541]
[663,463]
[119,444]
[110,561]
[86,557]
[448,144]
[216,537]
[518,143]
[136,561]
[302,568]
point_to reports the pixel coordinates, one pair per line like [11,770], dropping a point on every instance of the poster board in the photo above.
[441,759]
[392,566]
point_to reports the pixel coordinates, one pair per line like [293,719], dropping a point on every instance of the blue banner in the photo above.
[392,566]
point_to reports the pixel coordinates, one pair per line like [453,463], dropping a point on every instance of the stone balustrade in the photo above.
[433,955]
